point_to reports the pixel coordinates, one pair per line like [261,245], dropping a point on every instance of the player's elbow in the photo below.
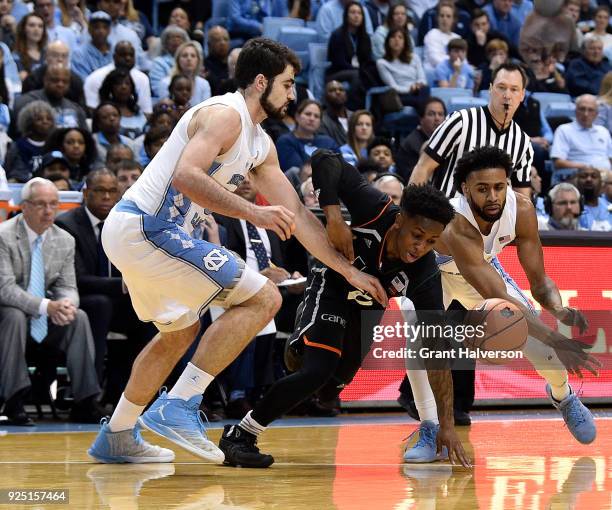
[181,178]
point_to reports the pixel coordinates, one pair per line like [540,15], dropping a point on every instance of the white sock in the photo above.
[192,382]
[424,399]
[250,425]
[125,416]
[560,393]
[547,363]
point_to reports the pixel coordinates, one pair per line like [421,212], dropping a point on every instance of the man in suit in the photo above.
[102,293]
[261,249]
[39,304]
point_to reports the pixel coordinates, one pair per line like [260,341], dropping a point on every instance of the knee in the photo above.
[270,299]
[14,317]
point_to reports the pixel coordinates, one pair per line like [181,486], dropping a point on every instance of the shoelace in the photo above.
[575,412]
[426,437]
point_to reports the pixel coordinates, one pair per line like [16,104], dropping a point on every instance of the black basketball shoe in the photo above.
[240,449]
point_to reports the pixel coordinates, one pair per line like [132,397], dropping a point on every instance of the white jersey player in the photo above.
[489,216]
[153,236]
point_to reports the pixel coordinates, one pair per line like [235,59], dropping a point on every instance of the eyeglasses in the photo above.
[40,205]
[104,191]
[565,203]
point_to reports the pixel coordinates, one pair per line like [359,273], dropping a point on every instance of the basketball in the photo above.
[505,328]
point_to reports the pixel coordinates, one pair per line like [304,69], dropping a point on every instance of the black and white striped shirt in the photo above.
[467,129]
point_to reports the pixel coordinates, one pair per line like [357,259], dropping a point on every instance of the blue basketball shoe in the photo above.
[577,417]
[424,450]
[180,421]
[126,446]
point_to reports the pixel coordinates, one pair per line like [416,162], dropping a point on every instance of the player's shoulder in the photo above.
[222,122]
[523,203]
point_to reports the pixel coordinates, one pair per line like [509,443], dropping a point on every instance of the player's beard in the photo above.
[491,218]
[271,111]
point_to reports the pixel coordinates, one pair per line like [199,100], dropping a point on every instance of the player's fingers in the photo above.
[379,293]
[285,224]
[463,458]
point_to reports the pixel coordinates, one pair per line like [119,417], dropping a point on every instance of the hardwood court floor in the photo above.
[525,462]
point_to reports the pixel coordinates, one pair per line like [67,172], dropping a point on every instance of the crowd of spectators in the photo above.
[89,92]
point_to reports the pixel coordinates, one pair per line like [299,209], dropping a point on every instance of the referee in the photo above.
[463,131]
[467,129]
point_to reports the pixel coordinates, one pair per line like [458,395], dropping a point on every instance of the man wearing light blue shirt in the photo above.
[97,52]
[581,144]
[330,17]
[455,71]
[503,20]
[46,10]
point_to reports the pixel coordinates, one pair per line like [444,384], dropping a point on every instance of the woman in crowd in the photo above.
[73,14]
[402,69]
[604,101]
[138,22]
[437,39]
[118,88]
[360,134]
[296,147]
[78,147]
[35,121]
[30,44]
[544,75]
[602,24]
[180,18]
[397,17]
[171,38]
[106,127]
[188,62]
[350,52]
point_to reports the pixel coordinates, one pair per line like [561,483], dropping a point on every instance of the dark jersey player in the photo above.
[393,243]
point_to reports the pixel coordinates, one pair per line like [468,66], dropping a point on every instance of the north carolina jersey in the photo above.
[154,194]
[502,233]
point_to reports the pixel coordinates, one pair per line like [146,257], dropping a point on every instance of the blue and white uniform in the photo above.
[154,234]
[502,233]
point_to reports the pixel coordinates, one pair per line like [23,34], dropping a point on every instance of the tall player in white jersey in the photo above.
[489,216]
[153,236]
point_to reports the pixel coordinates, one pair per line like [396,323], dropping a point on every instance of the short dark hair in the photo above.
[263,56]
[422,107]
[479,13]
[457,44]
[129,164]
[380,140]
[482,158]
[510,67]
[427,201]
[94,174]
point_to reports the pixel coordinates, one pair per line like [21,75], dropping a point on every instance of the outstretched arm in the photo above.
[274,186]
[465,245]
[531,257]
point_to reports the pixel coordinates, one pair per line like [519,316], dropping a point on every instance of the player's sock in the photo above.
[560,393]
[424,399]
[249,424]
[125,416]
[549,366]
[192,382]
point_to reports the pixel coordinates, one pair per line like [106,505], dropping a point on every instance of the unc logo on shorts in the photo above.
[215,260]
